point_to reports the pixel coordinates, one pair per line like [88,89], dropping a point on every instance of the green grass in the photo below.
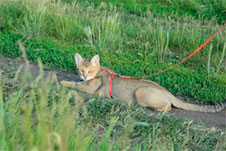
[201,10]
[132,38]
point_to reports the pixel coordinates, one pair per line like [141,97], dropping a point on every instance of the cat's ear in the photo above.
[78,59]
[95,60]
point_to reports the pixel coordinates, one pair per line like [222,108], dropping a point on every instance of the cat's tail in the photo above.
[195,107]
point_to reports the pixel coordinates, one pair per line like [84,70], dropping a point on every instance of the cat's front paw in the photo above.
[67,84]
[63,82]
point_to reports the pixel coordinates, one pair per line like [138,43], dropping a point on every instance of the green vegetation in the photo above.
[133,38]
[202,10]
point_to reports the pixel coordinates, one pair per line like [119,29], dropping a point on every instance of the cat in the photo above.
[145,93]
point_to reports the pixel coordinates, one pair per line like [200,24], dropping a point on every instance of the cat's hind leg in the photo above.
[152,98]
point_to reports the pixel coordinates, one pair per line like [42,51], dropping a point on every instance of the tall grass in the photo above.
[206,8]
[197,9]
[37,116]
[104,30]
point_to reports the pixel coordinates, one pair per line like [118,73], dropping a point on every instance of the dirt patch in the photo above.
[12,65]
[217,119]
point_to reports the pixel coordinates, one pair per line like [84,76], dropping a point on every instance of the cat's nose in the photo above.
[85,77]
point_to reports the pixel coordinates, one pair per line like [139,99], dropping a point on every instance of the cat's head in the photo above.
[87,68]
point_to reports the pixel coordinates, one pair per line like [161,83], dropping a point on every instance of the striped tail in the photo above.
[195,107]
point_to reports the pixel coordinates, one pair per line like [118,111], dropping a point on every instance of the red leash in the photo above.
[146,76]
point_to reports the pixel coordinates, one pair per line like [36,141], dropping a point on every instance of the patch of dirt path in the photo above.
[217,119]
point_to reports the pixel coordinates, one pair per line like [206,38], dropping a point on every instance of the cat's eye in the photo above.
[91,71]
[82,71]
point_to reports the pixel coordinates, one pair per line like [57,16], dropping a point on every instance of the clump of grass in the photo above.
[204,8]
[33,19]
[37,116]
[104,30]
[218,66]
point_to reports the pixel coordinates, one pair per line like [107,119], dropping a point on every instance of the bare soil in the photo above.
[217,119]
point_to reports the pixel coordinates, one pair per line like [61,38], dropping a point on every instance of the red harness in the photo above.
[111,78]
[142,77]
